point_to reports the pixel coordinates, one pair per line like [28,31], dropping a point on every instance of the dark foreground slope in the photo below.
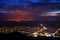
[19,36]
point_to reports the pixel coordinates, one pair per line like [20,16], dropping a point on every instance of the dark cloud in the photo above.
[15,11]
[27,15]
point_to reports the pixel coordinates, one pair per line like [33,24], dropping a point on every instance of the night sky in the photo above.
[17,10]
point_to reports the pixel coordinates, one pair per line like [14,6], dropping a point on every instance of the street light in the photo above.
[35,34]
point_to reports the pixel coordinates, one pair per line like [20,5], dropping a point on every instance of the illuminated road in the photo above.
[31,31]
[27,30]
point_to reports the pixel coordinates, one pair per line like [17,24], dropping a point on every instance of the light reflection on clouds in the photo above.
[53,13]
